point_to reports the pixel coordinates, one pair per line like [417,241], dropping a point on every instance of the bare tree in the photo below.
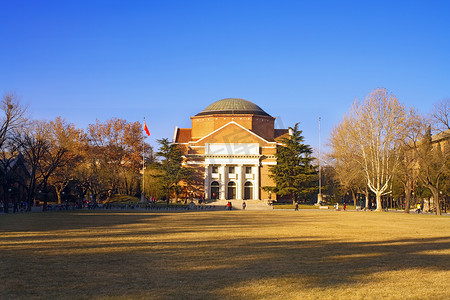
[433,152]
[440,117]
[12,118]
[433,155]
[408,168]
[375,129]
[343,157]
[33,145]
[8,176]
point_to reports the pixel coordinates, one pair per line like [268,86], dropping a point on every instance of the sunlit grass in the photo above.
[227,255]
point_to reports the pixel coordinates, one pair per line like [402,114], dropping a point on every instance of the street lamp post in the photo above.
[319,196]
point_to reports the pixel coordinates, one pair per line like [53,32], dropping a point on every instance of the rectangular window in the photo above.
[215,169]
[248,170]
[231,170]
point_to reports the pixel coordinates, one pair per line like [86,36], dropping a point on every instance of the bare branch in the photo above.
[12,116]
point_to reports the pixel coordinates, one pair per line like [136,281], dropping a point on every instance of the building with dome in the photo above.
[231,143]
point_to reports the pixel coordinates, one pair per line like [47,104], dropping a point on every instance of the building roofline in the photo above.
[233,122]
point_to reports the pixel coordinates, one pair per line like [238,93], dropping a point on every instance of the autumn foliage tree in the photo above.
[69,141]
[115,155]
[105,159]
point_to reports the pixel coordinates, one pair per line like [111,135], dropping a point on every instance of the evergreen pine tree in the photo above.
[171,166]
[294,175]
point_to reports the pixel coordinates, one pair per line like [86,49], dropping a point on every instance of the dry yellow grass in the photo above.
[224,255]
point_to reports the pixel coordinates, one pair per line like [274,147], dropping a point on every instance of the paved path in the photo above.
[252,205]
[237,204]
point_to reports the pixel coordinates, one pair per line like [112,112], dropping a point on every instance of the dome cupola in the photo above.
[235,106]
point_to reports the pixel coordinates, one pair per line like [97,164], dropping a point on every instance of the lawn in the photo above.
[279,254]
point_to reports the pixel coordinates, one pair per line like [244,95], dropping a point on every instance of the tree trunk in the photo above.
[5,201]
[58,193]
[367,199]
[354,197]
[59,188]
[436,200]
[438,207]
[378,197]
[168,196]
[407,198]
[44,207]
[30,193]
[435,191]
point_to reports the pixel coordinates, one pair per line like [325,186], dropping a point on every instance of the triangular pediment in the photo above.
[232,133]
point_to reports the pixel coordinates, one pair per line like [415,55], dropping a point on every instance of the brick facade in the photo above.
[231,152]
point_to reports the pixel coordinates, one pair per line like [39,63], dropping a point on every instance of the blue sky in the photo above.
[168,60]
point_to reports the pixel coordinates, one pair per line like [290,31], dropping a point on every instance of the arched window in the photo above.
[248,190]
[231,190]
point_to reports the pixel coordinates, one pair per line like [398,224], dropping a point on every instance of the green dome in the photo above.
[234,106]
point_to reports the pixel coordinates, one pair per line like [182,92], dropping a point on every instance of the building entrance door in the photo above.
[248,191]
[231,190]
[214,190]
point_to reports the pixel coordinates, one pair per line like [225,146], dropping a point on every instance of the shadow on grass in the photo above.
[155,255]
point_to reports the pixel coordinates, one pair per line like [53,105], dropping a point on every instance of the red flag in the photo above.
[146,129]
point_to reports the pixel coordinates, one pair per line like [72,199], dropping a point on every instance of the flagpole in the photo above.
[319,196]
[143,166]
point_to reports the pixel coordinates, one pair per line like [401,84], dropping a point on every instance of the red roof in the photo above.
[281,133]
[183,135]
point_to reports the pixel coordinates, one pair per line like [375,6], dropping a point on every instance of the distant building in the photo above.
[442,139]
[231,143]
[14,177]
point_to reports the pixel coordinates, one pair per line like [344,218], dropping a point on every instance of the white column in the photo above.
[222,181]
[240,182]
[256,181]
[207,181]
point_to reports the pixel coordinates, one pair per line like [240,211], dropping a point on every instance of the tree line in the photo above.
[380,148]
[387,149]
[63,163]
